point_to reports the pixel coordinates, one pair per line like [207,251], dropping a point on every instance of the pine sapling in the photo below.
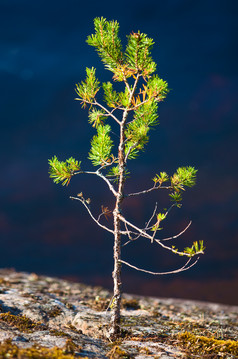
[135,112]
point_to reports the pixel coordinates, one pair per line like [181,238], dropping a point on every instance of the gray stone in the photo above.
[60,310]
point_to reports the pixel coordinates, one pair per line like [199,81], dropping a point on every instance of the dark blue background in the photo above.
[43,55]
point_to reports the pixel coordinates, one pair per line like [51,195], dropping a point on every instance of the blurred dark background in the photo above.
[43,55]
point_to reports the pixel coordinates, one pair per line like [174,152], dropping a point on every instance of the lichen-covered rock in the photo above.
[53,318]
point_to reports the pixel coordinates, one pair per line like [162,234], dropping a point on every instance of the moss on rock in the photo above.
[21,322]
[202,345]
[10,350]
[117,353]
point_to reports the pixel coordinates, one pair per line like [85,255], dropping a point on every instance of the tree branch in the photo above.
[146,235]
[108,183]
[99,174]
[139,235]
[177,235]
[95,103]
[129,150]
[173,205]
[134,87]
[91,215]
[148,190]
[142,103]
[153,214]
[126,83]
[107,164]
[128,233]
[182,269]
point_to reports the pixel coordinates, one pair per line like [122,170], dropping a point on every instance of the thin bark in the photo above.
[99,174]
[181,269]
[95,103]
[116,274]
[146,235]
[91,215]
[148,190]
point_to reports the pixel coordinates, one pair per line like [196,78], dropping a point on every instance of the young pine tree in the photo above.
[134,110]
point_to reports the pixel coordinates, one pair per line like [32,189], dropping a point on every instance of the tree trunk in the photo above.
[116,274]
[115,329]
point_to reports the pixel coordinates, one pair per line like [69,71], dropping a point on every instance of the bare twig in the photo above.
[173,205]
[128,232]
[108,183]
[146,235]
[146,227]
[129,150]
[131,239]
[91,215]
[153,214]
[169,209]
[142,103]
[105,212]
[148,190]
[185,267]
[98,173]
[107,111]
[177,235]
[126,83]
[95,103]
[106,164]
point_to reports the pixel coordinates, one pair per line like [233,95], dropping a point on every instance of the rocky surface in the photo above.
[42,312]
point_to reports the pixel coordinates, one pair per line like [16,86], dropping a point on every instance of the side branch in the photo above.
[148,190]
[129,151]
[134,88]
[126,83]
[99,174]
[139,235]
[177,235]
[108,183]
[146,235]
[91,215]
[182,269]
[142,103]
[95,103]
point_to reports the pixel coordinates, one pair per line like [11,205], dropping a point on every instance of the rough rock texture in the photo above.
[48,312]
